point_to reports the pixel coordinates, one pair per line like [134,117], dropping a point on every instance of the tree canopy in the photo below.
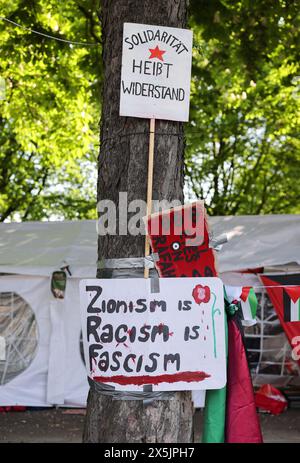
[244,157]
[242,142]
[49,117]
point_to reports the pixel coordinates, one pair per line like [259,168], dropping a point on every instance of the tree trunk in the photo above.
[123,168]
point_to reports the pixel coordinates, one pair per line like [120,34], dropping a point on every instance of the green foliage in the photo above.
[49,117]
[242,152]
[243,140]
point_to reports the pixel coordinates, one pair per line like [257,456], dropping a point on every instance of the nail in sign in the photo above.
[156,72]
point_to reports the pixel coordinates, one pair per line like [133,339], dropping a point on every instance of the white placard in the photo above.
[168,333]
[156,72]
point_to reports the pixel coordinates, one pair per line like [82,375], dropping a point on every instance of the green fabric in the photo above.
[253,302]
[215,410]
[214,416]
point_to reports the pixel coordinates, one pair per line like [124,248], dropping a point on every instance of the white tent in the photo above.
[38,248]
[258,241]
[40,359]
[41,362]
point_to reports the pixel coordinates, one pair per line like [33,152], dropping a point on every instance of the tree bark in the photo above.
[123,168]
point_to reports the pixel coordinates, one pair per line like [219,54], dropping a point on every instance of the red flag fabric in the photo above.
[245,293]
[242,423]
[270,399]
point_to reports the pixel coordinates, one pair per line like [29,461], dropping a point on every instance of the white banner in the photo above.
[156,72]
[166,333]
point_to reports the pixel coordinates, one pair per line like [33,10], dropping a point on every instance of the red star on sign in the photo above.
[156,53]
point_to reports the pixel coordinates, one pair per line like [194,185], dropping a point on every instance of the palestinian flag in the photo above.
[291,304]
[248,303]
[245,295]
[282,289]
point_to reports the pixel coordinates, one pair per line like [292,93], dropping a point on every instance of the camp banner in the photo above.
[164,333]
[156,72]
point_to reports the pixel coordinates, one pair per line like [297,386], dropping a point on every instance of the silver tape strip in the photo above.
[127,263]
[147,395]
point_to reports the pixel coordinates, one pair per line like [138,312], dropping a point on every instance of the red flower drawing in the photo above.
[201,294]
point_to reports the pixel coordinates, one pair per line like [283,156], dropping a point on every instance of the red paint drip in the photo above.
[187,376]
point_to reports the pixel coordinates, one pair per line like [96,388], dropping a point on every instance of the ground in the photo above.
[66,425]
[280,428]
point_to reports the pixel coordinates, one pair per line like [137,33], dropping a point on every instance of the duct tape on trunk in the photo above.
[147,396]
[130,268]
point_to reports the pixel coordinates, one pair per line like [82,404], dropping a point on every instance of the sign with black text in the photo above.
[156,72]
[167,334]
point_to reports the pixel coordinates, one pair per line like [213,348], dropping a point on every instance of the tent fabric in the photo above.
[18,328]
[57,354]
[39,248]
[257,241]
[56,374]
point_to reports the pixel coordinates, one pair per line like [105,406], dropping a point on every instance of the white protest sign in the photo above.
[168,333]
[156,72]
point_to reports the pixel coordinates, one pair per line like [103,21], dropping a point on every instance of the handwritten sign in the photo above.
[166,334]
[156,72]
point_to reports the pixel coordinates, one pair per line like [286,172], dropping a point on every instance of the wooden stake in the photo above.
[149,187]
